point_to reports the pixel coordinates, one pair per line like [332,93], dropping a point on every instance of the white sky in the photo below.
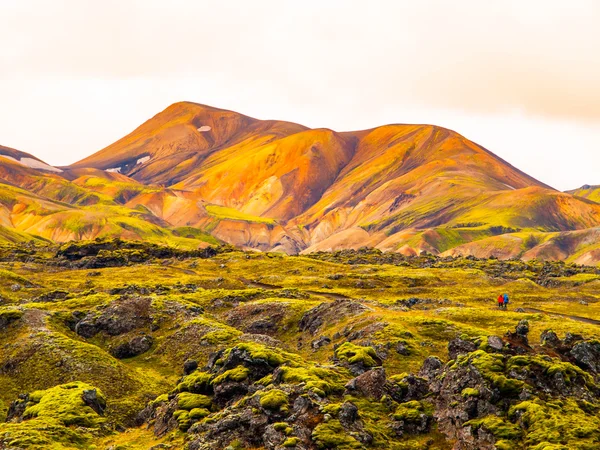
[521,78]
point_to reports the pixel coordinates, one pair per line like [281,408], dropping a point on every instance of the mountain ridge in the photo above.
[276,185]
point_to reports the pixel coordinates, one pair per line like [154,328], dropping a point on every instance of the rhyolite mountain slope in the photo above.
[586,191]
[274,185]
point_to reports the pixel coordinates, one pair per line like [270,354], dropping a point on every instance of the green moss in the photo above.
[413,411]
[65,403]
[55,418]
[283,427]
[332,409]
[274,400]
[291,442]
[551,366]
[223,212]
[9,315]
[189,401]
[257,351]
[501,429]
[198,413]
[164,398]
[356,354]
[491,367]
[557,424]
[321,381]
[470,392]
[239,373]
[197,382]
[331,435]
[183,419]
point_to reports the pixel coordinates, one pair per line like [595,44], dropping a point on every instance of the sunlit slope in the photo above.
[274,185]
[420,177]
[173,143]
[25,215]
[586,191]
[278,178]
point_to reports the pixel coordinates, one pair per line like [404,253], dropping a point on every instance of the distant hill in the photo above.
[586,191]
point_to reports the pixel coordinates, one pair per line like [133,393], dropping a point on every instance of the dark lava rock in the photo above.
[402,349]
[518,341]
[320,342]
[348,414]
[414,388]
[189,366]
[17,408]
[548,338]
[51,296]
[374,384]
[587,355]
[370,384]
[91,399]
[133,347]
[431,367]
[495,343]
[328,314]
[523,328]
[262,318]
[460,346]
[9,317]
[571,339]
[119,317]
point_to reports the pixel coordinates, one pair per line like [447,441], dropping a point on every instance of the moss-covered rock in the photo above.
[66,416]
[189,401]
[274,400]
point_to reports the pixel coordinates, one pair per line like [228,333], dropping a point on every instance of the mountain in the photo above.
[586,191]
[195,172]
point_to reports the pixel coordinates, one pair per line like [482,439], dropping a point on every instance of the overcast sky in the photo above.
[521,78]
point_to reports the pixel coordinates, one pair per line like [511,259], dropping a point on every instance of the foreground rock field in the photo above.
[126,345]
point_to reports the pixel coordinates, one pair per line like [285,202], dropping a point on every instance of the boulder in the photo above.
[495,343]
[459,346]
[133,347]
[587,355]
[328,314]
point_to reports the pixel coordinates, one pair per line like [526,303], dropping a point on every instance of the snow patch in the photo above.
[33,163]
[204,128]
[114,170]
[143,160]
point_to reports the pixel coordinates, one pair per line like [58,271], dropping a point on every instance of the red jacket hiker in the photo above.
[501,300]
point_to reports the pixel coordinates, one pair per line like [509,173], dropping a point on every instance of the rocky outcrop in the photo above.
[329,313]
[119,317]
[481,397]
[132,347]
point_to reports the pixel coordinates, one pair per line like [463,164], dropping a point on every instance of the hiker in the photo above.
[505,301]
[500,301]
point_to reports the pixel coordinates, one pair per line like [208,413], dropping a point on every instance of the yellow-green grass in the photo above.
[224,212]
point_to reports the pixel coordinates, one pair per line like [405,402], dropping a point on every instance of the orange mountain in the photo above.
[276,185]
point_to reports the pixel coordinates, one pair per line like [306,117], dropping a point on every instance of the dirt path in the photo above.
[258,284]
[577,318]
[331,295]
